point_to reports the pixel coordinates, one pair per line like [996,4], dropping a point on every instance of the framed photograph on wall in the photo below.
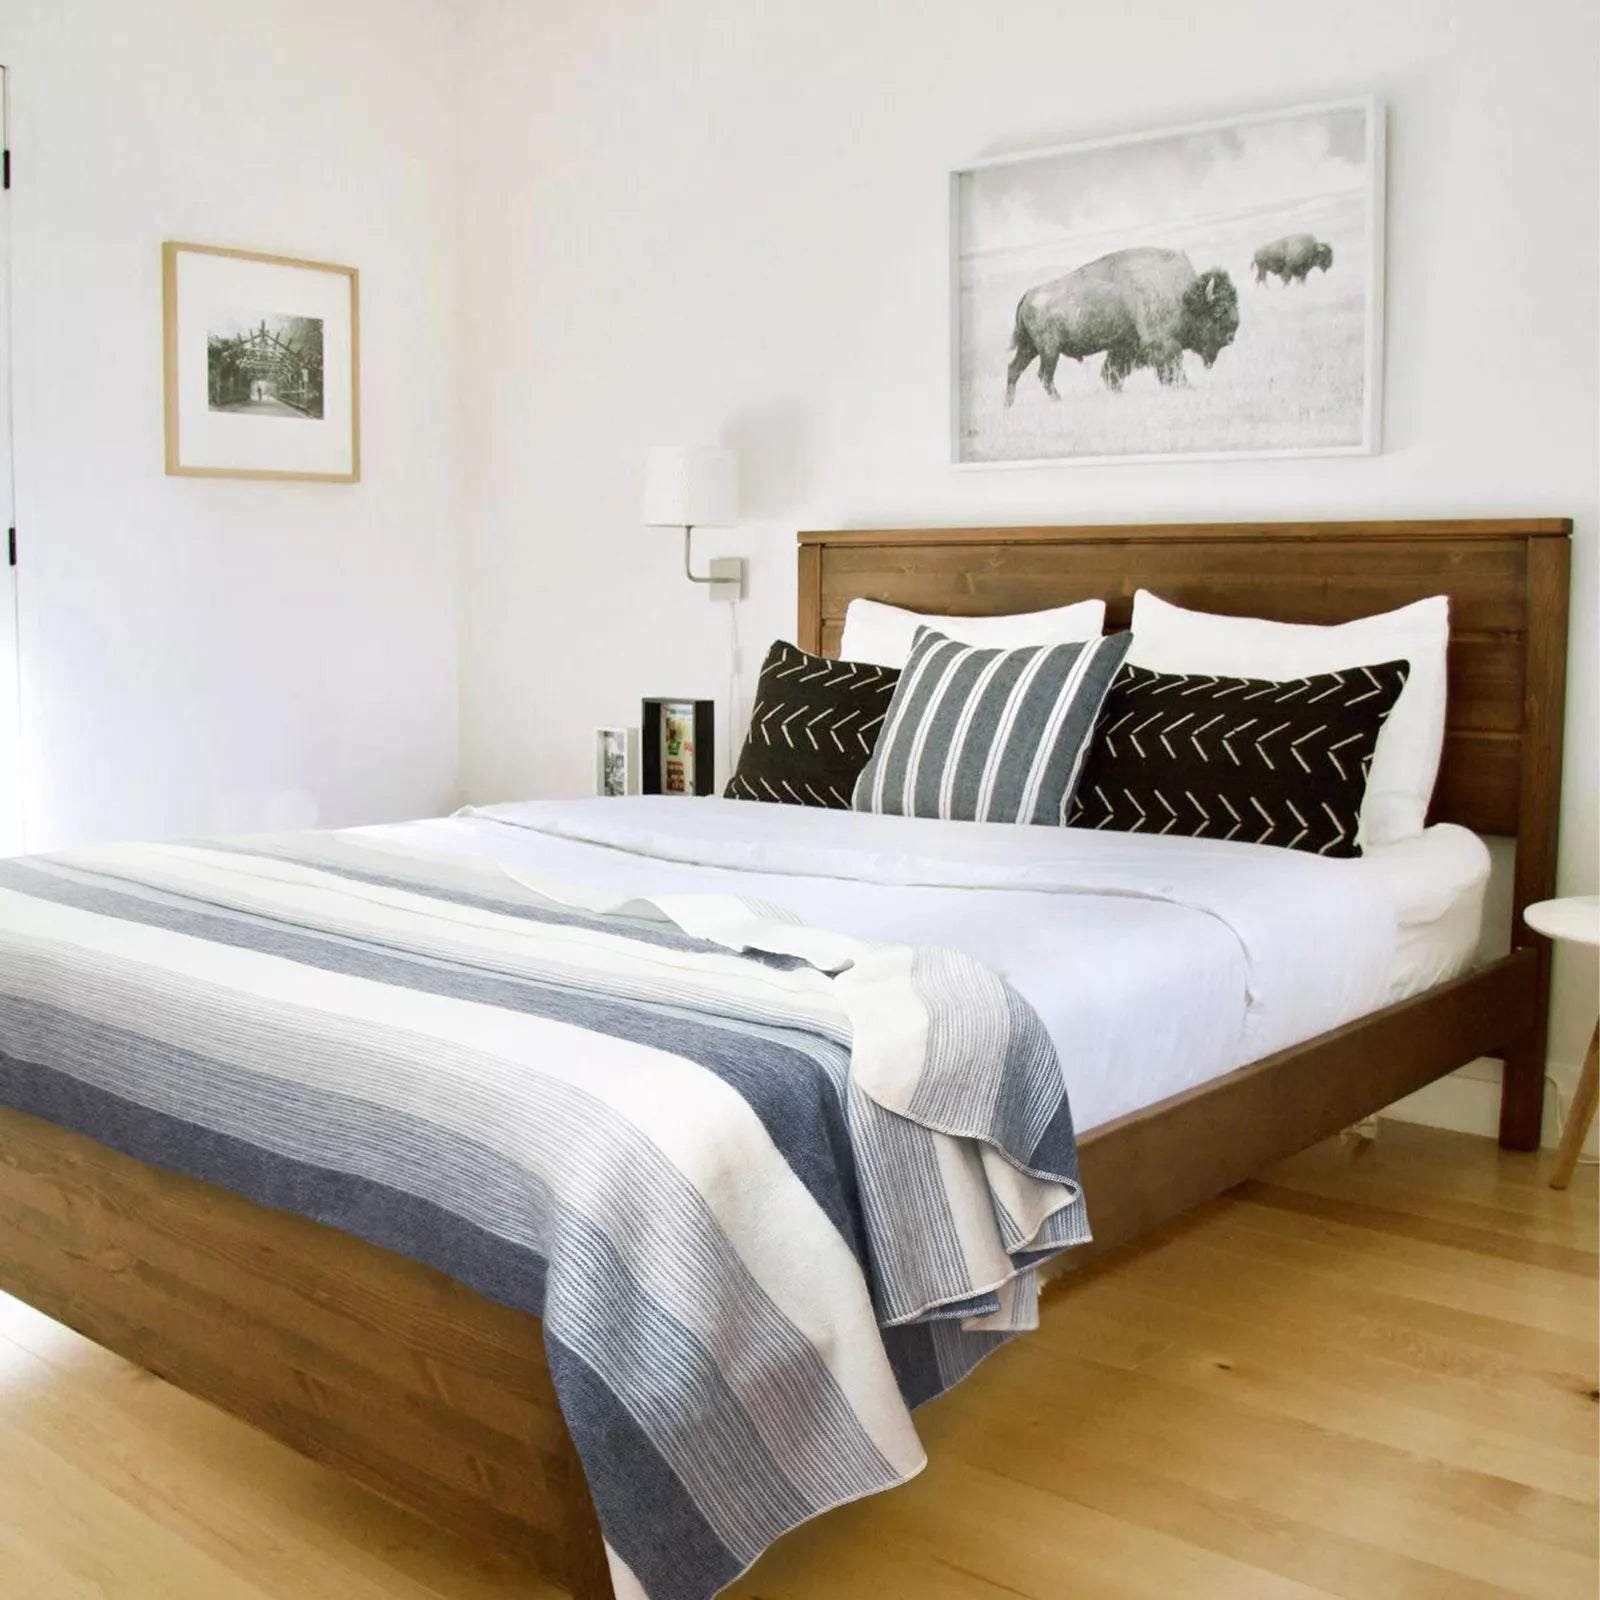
[263,365]
[1201,292]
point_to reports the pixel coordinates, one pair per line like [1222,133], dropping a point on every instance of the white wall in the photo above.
[690,219]
[202,656]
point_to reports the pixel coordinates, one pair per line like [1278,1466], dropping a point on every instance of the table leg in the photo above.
[1580,1114]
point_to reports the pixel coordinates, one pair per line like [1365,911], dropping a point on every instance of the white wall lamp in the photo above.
[696,486]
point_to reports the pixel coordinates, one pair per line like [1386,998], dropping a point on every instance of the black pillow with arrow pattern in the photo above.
[1237,758]
[814,724]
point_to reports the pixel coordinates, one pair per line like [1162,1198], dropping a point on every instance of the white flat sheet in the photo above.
[1437,882]
[1155,963]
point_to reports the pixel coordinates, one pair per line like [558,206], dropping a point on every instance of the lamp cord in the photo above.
[735,676]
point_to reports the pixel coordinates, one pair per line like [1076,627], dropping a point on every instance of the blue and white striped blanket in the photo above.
[768,1187]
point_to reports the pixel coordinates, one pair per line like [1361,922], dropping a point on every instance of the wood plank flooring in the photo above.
[1370,1374]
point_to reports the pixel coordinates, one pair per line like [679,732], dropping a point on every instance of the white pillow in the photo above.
[881,635]
[1167,638]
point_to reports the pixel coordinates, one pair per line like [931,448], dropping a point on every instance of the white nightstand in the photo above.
[1576,920]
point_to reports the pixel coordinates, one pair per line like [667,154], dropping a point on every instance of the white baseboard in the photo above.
[1469,1102]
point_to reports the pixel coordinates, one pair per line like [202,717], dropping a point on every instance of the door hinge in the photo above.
[11,546]
[5,168]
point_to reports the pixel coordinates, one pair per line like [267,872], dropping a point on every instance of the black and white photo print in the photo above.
[616,761]
[264,363]
[1207,291]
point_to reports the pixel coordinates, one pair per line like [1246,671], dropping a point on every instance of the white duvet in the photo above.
[1156,963]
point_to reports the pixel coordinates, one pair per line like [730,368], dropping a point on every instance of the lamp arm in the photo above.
[688,571]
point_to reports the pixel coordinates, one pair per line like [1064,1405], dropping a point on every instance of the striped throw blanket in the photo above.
[768,1187]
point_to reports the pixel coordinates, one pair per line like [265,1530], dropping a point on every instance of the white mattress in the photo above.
[1155,963]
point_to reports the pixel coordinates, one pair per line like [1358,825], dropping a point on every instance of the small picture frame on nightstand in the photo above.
[679,746]
[616,761]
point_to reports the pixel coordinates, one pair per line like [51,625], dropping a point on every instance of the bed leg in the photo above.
[1522,1091]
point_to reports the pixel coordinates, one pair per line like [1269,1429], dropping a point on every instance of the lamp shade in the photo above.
[690,486]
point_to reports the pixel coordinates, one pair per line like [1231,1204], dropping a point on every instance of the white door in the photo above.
[10,722]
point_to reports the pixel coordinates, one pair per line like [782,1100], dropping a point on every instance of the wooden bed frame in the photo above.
[441,1400]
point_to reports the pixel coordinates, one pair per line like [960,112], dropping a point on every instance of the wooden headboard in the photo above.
[1506,579]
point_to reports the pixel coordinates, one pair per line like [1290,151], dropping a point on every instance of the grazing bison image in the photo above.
[1292,258]
[1143,308]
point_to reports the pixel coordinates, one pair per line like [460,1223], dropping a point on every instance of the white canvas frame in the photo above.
[1372,397]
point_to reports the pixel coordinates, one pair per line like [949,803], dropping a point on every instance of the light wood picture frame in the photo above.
[262,365]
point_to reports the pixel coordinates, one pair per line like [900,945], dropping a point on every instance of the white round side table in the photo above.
[1575,920]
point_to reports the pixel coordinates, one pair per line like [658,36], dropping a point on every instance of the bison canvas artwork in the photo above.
[1208,291]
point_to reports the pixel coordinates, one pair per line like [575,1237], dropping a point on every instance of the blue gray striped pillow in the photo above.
[985,735]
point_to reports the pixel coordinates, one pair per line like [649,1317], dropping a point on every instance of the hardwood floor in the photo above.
[1370,1374]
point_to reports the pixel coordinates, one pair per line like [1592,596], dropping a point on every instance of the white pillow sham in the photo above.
[881,635]
[1168,638]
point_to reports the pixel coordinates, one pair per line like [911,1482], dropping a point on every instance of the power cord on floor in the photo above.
[1561,1122]
[1367,1128]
